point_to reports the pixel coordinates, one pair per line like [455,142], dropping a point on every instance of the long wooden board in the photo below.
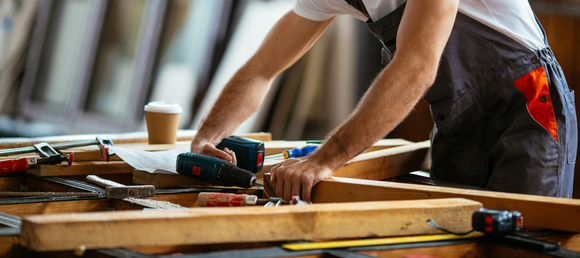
[275,147]
[538,211]
[246,224]
[93,153]
[136,141]
[137,137]
[377,165]
[83,168]
[176,180]
[57,207]
[383,164]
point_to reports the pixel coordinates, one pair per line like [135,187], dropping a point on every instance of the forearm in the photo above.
[383,107]
[422,35]
[288,40]
[239,99]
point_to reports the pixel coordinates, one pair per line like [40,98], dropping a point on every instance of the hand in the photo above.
[209,149]
[296,177]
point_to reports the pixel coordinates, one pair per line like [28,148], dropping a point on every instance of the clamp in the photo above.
[102,142]
[49,156]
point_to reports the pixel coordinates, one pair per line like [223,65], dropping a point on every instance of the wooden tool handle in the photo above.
[101,181]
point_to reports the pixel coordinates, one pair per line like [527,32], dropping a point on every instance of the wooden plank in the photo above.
[136,137]
[83,168]
[93,153]
[93,205]
[177,180]
[245,224]
[165,180]
[563,213]
[275,147]
[381,164]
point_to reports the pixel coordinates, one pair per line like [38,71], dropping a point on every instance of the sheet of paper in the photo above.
[159,162]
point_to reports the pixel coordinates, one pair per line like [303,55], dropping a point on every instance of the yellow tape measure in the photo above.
[378,241]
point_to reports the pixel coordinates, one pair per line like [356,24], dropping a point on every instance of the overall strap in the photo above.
[359,5]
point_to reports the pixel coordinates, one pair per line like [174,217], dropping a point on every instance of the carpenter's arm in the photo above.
[286,42]
[422,35]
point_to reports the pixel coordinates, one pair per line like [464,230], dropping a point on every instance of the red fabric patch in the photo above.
[534,86]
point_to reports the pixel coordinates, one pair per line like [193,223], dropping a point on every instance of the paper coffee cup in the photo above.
[162,121]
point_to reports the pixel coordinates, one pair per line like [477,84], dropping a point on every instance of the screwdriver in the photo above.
[296,152]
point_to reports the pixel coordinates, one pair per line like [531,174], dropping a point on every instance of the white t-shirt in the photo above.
[513,18]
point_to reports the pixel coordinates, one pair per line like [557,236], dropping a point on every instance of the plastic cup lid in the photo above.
[163,107]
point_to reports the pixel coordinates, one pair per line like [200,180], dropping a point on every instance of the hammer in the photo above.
[118,191]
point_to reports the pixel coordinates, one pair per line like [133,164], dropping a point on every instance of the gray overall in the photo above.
[504,116]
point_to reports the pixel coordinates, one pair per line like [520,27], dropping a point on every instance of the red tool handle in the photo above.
[13,165]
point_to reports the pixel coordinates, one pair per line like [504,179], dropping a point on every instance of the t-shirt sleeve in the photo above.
[313,10]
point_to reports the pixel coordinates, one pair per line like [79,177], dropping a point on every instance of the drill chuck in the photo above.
[213,170]
[231,175]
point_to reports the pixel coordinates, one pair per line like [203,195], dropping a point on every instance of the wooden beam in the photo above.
[387,163]
[177,180]
[137,137]
[381,164]
[92,205]
[275,147]
[538,211]
[83,168]
[93,153]
[245,224]
[96,205]
[166,180]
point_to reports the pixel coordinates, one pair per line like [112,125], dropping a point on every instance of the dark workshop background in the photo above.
[89,67]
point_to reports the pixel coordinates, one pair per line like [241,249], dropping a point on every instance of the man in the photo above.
[504,116]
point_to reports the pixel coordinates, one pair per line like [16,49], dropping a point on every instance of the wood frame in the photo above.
[336,190]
